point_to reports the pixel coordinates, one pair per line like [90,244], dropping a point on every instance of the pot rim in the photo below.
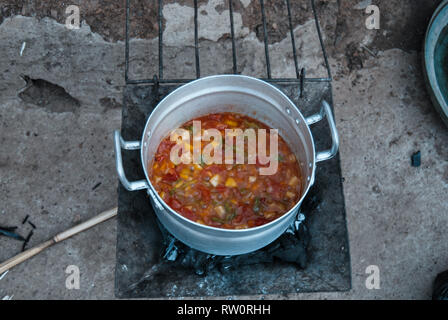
[223,230]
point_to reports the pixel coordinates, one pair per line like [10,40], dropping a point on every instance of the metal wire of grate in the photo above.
[300,74]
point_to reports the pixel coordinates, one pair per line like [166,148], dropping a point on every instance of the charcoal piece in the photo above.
[96,186]
[198,261]
[292,249]
[172,251]
[25,219]
[8,228]
[25,242]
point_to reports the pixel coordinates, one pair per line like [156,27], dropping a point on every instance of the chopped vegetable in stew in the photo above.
[232,196]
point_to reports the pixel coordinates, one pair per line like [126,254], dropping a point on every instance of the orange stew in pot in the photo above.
[232,196]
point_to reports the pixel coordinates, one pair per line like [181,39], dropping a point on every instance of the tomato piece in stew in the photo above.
[232,196]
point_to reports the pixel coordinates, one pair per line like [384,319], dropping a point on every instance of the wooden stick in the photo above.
[8,264]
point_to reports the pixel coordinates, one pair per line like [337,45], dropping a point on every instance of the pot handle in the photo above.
[326,111]
[120,143]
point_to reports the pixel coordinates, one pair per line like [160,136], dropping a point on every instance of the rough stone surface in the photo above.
[50,161]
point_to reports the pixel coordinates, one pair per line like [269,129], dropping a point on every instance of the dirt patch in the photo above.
[354,56]
[109,103]
[48,95]
[104,17]
[404,23]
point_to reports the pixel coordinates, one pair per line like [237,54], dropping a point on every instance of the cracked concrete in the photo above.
[69,58]
[51,161]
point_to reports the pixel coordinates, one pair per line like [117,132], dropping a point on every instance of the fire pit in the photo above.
[312,255]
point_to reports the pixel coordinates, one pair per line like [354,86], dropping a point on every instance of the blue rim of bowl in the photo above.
[436,26]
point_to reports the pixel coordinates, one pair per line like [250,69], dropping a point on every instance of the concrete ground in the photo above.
[57,162]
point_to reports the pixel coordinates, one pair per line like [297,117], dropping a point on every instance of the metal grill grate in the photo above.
[300,74]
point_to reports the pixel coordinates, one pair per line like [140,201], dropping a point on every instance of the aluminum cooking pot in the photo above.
[227,93]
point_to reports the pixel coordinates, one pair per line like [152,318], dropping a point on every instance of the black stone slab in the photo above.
[140,268]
